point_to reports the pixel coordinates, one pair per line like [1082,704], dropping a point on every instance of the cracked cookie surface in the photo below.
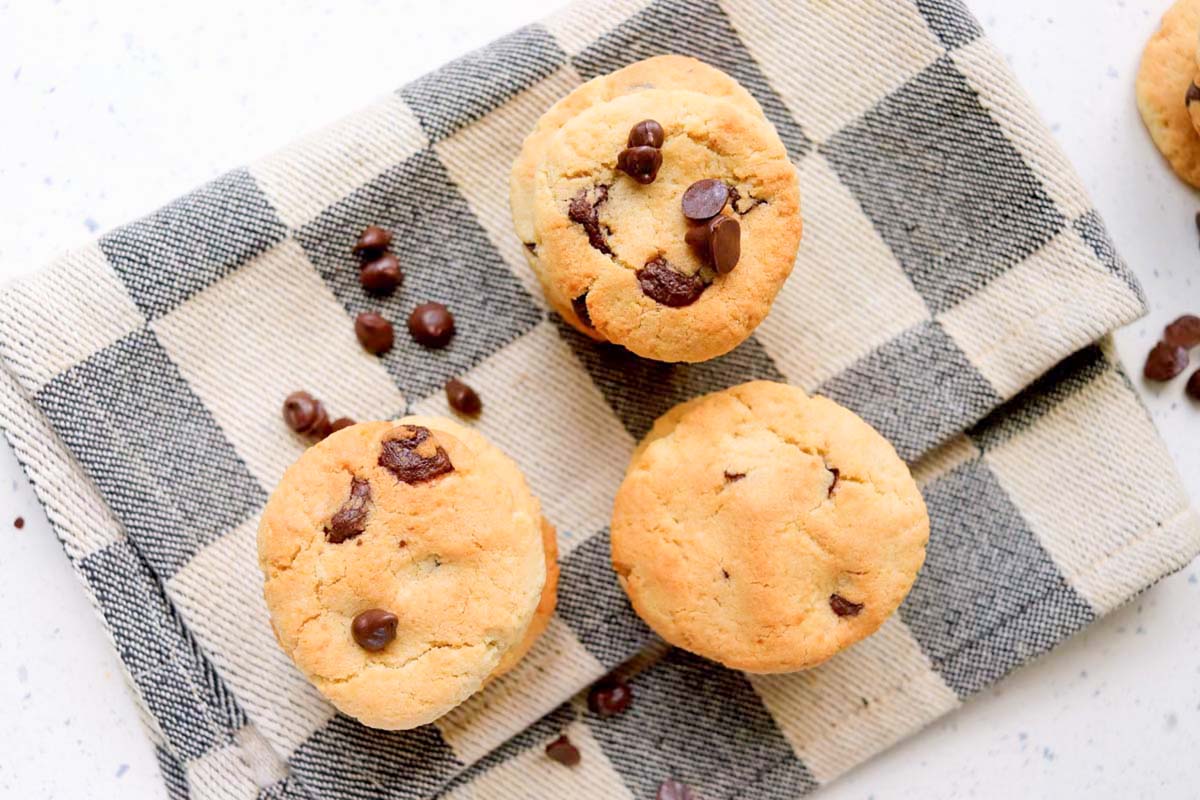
[421,518]
[1168,68]
[766,529]
[614,251]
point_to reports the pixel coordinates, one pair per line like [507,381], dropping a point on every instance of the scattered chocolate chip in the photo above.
[640,163]
[667,286]
[1165,362]
[372,241]
[843,607]
[1192,388]
[672,789]
[381,275]
[413,456]
[579,305]
[303,413]
[463,398]
[374,629]
[1193,94]
[733,477]
[583,210]
[431,324]
[350,520]
[1198,221]
[646,133]
[705,199]
[609,697]
[374,332]
[19,523]
[339,423]
[833,484]
[1184,332]
[562,751]
[743,205]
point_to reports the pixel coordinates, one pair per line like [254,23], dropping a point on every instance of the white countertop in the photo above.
[108,115]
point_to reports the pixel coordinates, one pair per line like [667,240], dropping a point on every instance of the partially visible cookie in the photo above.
[403,561]
[766,529]
[616,251]
[1164,81]
[545,609]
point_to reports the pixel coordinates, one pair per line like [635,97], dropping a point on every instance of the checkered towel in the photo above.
[954,287]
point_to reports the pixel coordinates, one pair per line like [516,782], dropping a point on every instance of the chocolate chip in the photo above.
[431,324]
[303,413]
[718,241]
[350,520]
[374,332]
[19,523]
[833,484]
[372,241]
[381,275]
[1193,94]
[413,456]
[374,629]
[733,477]
[340,423]
[462,398]
[672,789]
[583,210]
[640,163]
[562,751]
[1192,388]
[843,607]
[667,286]
[609,697]
[579,305]
[1184,332]
[530,246]
[743,205]
[1165,362]
[646,133]
[705,199]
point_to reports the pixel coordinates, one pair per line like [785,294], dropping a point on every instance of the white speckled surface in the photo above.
[107,114]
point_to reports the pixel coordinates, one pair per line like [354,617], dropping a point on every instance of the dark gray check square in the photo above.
[468,88]
[154,450]
[701,30]
[917,389]
[951,21]
[989,597]
[174,774]
[700,723]
[943,185]
[592,602]
[639,390]
[347,760]
[193,242]
[445,256]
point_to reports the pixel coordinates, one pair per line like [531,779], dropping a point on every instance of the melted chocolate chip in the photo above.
[672,789]
[303,413]
[733,477]
[413,456]
[583,210]
[562,751]
[350,520]
[609,697]
[1193,94]
[667,286]
[374,629]
[640,163]
[1165,362]
[463,398]
[381,275]
[579,305]
[833,484]
[743,205]
[431,324]
[843,607]
[1192,388]
[1184,332]
[531,247]
[646,133]
[372,241]
[374,333]
[704,199]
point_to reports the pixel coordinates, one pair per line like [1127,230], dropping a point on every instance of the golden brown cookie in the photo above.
[402,561]
[615,249]
[545,609]
[766,529]
[1167,71]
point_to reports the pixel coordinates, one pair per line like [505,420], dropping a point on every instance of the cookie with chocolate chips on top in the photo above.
[678,260]
[405,563]
[766,529]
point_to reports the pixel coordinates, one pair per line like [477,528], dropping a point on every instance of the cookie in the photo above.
[1192,95]
[616,249]
[659,72]
[403,561]
[1163,81]
[545,609]
[766,529]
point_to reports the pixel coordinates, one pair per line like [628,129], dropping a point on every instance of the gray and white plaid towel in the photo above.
[954,287]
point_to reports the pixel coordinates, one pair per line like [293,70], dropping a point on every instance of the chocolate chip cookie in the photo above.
[766,529]
[403,561]
[1167,96]
[622,249]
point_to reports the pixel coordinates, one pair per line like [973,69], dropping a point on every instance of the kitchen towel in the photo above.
[955,287]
